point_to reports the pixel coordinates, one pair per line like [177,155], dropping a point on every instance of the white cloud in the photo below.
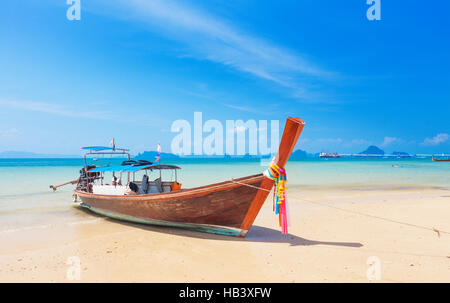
[436,140]
[208,37]
[330,140]
[216,97]
[239,129]
[54,109]
[360,142]
[356,143]
[391,140]
[243,108]
[11,132]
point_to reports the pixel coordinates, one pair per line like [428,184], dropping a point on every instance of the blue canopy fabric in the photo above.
[97,148]
[130,168]
[164,166]
[118,168]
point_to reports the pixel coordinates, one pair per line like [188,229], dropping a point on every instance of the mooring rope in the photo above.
[439,232]
[257,187]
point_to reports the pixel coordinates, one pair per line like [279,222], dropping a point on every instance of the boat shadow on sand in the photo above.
[268,235]
[256,234]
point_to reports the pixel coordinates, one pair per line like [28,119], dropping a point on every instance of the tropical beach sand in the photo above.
[326,244]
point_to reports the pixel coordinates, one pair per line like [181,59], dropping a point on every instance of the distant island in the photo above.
[150,155]
[372,150]
[300,155]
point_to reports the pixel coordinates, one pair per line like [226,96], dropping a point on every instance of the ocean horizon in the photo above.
[38,174]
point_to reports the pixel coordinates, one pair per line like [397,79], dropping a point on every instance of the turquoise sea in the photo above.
[27,200]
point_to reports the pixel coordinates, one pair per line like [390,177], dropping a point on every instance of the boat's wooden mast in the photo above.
[292,130]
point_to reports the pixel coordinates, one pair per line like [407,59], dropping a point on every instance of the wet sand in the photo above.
[334,234]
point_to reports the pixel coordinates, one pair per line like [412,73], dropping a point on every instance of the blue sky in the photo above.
[129,68]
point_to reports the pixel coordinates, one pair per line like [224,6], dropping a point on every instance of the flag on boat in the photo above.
[113,144]
[278,175]
[158,154]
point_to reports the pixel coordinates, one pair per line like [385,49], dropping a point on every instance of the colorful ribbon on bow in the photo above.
[278,175]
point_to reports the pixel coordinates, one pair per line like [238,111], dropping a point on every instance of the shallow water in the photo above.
[26,199]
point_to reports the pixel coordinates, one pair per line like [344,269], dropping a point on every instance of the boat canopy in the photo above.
[97,148]
[131,168]
[103,148]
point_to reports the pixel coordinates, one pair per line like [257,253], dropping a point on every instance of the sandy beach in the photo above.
[334,234]
[189,113]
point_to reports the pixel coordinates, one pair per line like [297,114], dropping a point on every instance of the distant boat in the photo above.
[441,159]
[329,155]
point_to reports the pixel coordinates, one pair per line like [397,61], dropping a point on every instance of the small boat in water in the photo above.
[227,208]
[440,159]
[329,155]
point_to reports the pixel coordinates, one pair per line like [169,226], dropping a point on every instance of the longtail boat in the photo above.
[440,159]
[227,208]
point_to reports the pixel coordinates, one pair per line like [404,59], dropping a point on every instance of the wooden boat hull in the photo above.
[227,208]
[218,208]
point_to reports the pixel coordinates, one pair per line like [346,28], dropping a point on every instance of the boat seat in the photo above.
[143,188]
[134,187]
[176,186]
[166,187]
[156,186]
